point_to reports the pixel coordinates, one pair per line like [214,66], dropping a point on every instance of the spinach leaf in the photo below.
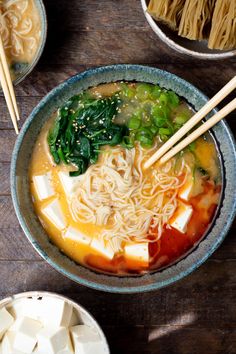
[82,126]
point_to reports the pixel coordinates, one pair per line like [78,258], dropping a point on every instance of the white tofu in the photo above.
[102,249]
[30,307]
[60,312]
[6,320]
[137,252]
[26,334]
[86,340]
[54,214]
[43,185]
[68,349]
[69,184]
[186,190]
[75,318]
[53,339]
[7,344]
[77,236]
[181,217]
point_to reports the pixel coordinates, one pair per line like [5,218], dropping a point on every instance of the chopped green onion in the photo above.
[154,129]
[192,146]
[127,142]
[134,123]
[181,118]
[156,92]
[164,131]
[173,99]
[143,91]
[163,99]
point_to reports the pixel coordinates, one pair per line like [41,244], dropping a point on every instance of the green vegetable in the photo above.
[159,115]
[173,99]
[134,122]
[127,91]
[154,130]
[145,137]
[164,99]
[143,91]
[82,126]
[156,91]
[181,118]
[127,142]
[165,131]
[192,146]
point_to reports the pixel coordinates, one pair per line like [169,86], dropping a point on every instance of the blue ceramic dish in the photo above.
[34,230]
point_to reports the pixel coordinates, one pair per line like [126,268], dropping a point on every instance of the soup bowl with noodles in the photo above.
[23,28]
[86,202]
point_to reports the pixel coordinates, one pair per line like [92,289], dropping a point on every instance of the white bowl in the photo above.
[197,49]
[84,316]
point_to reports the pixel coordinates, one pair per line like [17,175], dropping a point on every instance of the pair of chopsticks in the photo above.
[7,87]
[167,151]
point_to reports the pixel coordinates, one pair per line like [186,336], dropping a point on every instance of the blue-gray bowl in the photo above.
[33,228]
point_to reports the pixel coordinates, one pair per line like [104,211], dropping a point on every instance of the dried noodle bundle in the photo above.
[223,29]
[196,17]
[168,11]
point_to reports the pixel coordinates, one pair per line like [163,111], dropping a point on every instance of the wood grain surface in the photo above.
[197,314]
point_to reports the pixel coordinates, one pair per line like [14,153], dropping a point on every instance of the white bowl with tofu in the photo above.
[38,237]
[47,323]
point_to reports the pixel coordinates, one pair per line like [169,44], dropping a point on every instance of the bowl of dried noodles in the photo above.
[201,29]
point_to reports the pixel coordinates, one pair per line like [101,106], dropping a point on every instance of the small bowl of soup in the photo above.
[84,198]
[23,27]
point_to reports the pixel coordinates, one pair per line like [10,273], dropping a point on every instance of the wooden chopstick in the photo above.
[8,78]
[199,131]
[229,87]
[8,97]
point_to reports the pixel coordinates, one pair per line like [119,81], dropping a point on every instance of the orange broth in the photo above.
[172,244]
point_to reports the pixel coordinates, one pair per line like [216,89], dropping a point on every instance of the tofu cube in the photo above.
[181,217]
[43,185]
[75,318]
[186,190]
[102,249]
[7,344]
[69,184]
[53,339]
[138,252]
[77,236]
[30,307]
[86,340]
[68,349]
[54,214]
[26,334]
[6,320]
[60,312]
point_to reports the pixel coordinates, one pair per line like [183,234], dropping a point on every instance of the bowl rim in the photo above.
[13,181]
[41,293]
[179,48]
[43,16]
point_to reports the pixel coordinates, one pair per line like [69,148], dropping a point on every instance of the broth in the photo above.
[187,189]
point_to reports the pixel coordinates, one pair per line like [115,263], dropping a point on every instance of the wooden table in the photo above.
[197,314]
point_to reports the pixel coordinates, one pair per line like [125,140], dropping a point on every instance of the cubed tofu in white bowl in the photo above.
[48,323]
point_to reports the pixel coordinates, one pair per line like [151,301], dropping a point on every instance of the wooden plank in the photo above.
[101,47]
[170,339]
[4,178]
[205,298]
[94,14]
